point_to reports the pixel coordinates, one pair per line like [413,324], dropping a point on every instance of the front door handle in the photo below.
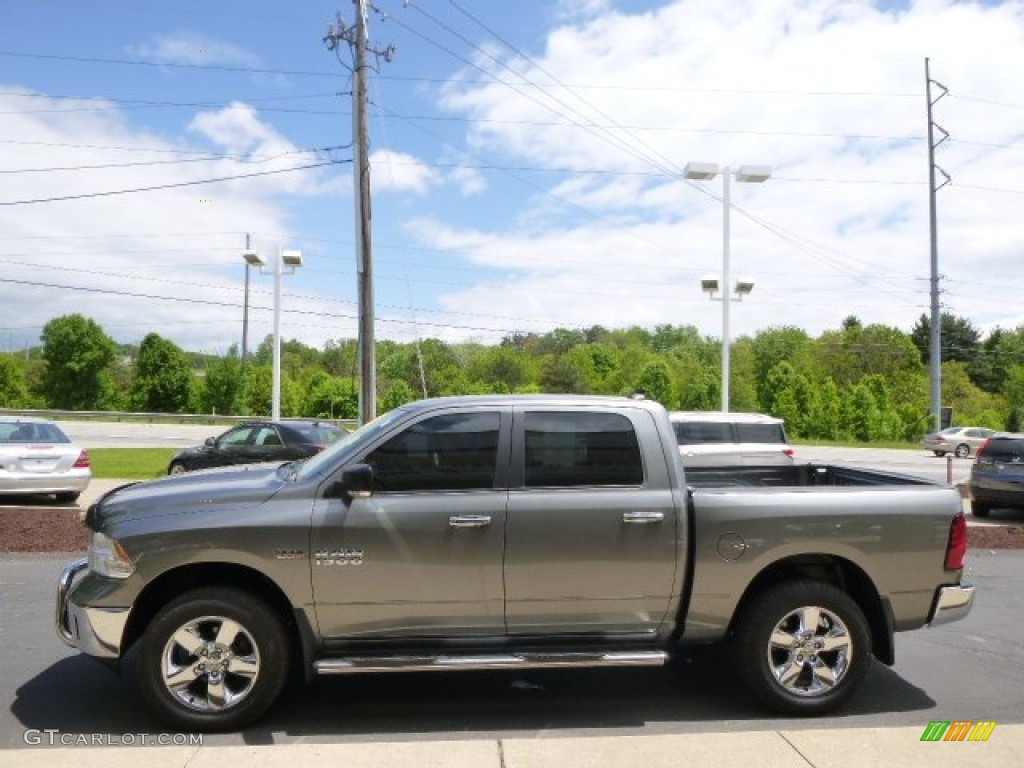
[643,518]
[469,521]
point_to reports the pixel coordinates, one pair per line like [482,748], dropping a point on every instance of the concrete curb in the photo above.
[824,748]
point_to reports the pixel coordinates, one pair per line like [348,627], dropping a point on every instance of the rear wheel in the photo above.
[176,468]
[803,647]
[67,496]
[939,453]
[963,451]
[213,659]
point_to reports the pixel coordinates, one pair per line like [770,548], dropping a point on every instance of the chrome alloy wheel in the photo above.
[210,664]
[809,651]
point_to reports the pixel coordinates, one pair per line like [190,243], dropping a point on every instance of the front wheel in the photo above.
[803,647]
[213,659]
[176,468]
[980,508]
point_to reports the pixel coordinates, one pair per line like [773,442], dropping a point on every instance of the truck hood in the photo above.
[223,488]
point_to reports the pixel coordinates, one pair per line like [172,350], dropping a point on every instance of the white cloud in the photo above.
[399,171]
[188,47]
[113,257]
[830,94]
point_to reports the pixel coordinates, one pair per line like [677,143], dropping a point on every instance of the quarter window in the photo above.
[454,452]
[581,449]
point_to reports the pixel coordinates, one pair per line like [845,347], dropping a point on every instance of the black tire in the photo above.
[962,451]
[822,678]
[64,496]
[939,453]
[980,508]
[226,698]
[176,468]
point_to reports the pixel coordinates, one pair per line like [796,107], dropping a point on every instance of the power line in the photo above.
[158,187]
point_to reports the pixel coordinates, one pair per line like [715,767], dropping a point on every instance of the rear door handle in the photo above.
[469,521]
[643,518]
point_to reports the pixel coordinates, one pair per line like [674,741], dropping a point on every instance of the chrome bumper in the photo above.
[951,604]
[95,631]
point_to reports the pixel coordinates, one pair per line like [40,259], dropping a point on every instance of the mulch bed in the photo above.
[59,530]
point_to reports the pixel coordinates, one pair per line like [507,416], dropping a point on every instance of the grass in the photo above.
[130,463]
[851,444]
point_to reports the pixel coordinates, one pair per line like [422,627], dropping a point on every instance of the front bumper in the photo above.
[951,604]
[95,631]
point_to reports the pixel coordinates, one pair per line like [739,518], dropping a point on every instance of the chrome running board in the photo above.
[448,662]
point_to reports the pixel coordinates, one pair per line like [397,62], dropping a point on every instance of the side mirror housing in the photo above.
[356,481]
[210,442]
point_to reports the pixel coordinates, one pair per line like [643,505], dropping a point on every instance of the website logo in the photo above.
[958,730]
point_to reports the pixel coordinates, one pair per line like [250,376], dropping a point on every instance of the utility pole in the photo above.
[356,37]
[935,341]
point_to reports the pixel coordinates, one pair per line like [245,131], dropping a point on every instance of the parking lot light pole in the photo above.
[745,173]
[285,264]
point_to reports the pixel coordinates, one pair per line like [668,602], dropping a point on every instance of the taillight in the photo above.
[981,448]
[956,548]
[83,460]
[789,452]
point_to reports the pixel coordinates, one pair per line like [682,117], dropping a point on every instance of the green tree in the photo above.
[13,388]
[163,377]
[656,381]
[398,395]
[774,346]
[79,358]
[331,397]
[223,385]
[960,339]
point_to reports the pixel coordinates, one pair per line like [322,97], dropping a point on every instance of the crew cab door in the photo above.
[421,556]
[592,527]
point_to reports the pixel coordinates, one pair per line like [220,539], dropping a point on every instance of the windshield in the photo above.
[326,459]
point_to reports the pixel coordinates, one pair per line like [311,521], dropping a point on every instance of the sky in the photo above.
[527,165]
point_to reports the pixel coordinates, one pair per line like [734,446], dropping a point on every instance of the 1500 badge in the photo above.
[342,556]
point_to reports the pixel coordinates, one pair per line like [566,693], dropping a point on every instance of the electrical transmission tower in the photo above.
[935,341]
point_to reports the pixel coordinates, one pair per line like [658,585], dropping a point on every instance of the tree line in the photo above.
[858,382]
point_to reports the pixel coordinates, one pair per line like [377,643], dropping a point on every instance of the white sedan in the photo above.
[37,457]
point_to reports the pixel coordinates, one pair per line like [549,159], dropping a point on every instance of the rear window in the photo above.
[321,434]
[28,432]
[761,433]
[699,432]
[1005,450]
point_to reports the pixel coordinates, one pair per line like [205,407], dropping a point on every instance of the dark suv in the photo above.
[997,475]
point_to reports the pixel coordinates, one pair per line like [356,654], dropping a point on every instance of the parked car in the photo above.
[256,442]
[960,441]
[508,532]
[37,457]
[997,475]
[716,439]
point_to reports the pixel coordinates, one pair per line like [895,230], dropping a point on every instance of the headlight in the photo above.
[108,558]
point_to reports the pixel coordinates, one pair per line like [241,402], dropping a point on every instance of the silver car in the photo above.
[37,457]
[960,441]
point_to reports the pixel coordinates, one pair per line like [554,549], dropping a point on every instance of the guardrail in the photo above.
[155,418]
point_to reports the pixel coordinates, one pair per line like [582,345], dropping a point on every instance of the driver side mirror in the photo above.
[210,442]
[356,481]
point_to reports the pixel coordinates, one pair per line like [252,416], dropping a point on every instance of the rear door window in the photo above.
[567,449]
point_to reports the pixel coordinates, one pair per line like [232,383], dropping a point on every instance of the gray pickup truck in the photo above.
[507,532]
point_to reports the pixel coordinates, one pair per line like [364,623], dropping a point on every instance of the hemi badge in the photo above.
[289,554]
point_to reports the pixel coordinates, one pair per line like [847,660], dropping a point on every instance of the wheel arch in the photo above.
[184,578]
[841,573]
